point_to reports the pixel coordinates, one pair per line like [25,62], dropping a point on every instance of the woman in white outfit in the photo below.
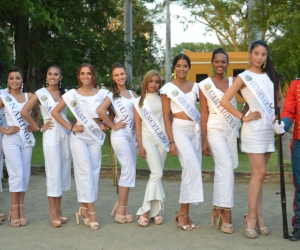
[120,104]
[179,100]
[219,137]
[86,139]
[17,144]
[257,87]
[3,124]
[152,144]
[56,143]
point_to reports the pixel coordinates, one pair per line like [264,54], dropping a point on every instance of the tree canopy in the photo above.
[37,33]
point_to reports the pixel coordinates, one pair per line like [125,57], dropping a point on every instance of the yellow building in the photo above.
[201,65]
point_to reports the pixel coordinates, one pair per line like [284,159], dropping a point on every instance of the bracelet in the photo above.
[40,128]
[72,129]
[171,142]
[242,117]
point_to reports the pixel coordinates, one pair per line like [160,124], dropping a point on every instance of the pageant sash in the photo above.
[14,110]
[174,93]
[48,103]
[152,123]
[89,124]
[121,112]
[214,97]
[261,94]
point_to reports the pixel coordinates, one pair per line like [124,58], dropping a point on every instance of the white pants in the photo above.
[154,195]
[190,157]
[18,161]
[1,161]
[126,152]
[87,155]
[223,146]
[57,163]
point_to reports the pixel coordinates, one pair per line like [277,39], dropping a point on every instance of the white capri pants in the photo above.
[1,161]
[190,157]
[223,146]
[126,152]
[87,155]
[154,194]
[18,161]
[57,162]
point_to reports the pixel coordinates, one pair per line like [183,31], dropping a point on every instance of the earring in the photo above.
[264,65]
[59,85]
[174,75]
[250,63]
[188,76]
[226,72]
[22,87]
[47,83]
[212,72]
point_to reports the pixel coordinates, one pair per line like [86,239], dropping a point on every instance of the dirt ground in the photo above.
[39,234]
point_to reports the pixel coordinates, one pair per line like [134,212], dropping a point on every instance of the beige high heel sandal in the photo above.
[54,223]
[78,214]
[120,218]
[262,230]
[13,223]
[179,222]
[93,225]
[23,221]
[249,233]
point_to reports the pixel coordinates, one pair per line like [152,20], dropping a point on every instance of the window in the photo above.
[201,77]
[237,71]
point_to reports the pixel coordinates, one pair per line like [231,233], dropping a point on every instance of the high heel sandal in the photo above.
[142,220]
[86,221]
[23,221]
[2,216]
[13,223]
[179,223]
[93,225]
[129,217]
[225,227]
[120,218]
[158,219]
[249,233]
[55,223]
[63,219]
[262,230]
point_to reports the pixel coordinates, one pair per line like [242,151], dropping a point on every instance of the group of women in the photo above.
[163,119]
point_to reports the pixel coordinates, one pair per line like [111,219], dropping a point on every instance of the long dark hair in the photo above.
[16,69]
[269,69]
[113,86]
[60,87]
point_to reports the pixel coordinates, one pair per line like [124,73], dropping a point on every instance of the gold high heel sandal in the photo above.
[13,223]
[78,214]
[262,230]
[54,223]
[120,218]
[93,225]
[23,221]
[249,233]
[179,222]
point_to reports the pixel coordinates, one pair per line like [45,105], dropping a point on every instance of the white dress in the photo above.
[257,135]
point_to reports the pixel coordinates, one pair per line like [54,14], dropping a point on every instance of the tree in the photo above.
[195,47]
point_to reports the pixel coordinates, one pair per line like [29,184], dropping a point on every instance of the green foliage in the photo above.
[194,47]
[71,32]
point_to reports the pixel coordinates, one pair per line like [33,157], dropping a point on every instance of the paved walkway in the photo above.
[39,234]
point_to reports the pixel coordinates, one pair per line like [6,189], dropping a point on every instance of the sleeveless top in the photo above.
[192,95]
[233,100]
[90,104]
[9,121]
[154,102]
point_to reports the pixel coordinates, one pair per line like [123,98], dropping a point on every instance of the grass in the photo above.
[172,162]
